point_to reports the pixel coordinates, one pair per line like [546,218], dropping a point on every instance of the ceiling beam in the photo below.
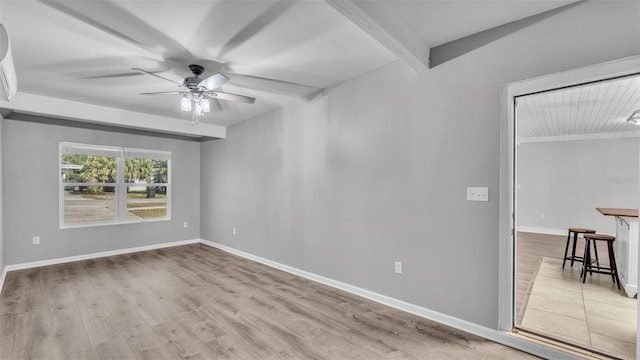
[388,30]
[72,110]
[453,49]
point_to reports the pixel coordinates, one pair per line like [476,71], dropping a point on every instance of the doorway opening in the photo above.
[576,153]
[570,156]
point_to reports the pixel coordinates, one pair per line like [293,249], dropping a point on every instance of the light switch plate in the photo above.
[478,194]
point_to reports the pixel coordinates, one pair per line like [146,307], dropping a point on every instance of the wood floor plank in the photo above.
[32,333]
[114,349]
[32,338]
[196,302]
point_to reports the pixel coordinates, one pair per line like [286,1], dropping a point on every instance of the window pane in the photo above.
[94,178]
[79,168]
[89,204]
[160,172]
[145,170]
[146,202]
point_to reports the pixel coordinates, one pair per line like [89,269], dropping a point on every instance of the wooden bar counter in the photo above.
[626,246]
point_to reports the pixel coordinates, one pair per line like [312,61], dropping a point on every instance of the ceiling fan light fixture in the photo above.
[185,104]
[634,118]
[205,105]
[198,109]
[200,106]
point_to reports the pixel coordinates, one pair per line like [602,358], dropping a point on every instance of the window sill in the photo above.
[112,223]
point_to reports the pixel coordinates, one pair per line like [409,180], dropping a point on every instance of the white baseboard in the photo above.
[630,290]
[2,277]
[502,337]
[541,230]
[97,255]
[549,231]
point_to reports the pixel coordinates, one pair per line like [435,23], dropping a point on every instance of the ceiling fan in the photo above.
[197,91]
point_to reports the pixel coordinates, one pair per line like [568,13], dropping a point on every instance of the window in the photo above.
[102,185]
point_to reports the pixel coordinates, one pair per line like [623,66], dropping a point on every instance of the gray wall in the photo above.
[561,183]
[31,185]
[3,260]
[375,169]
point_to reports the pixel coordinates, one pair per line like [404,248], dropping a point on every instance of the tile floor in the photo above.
[595,314]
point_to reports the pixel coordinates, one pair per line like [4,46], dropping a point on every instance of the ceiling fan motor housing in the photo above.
[192,82]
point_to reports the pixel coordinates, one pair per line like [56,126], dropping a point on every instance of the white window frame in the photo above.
[120,185]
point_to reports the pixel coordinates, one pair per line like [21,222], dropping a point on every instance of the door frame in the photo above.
[508,93]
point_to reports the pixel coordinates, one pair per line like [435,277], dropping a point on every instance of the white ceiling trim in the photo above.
[73,110]
[577,137]
[388,30]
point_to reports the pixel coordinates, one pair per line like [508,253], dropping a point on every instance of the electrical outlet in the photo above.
[36,240]
[398,267]
[186,224]
[234,231]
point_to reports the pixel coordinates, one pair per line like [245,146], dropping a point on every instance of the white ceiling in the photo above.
[273,50]
[597,108]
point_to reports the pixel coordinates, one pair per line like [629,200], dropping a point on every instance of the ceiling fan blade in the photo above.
[256,26]
[156,75]
[220,105]
[109,76]
[213,82]
[106,67]
[230,97]
[113,19]
[165,93]
[271,85]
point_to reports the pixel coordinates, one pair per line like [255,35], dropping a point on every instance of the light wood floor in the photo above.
[196,302]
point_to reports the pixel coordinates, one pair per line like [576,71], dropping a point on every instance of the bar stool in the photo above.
[573,257]
[588,267]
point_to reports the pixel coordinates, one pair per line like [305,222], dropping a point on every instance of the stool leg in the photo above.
[567,249]
[586,261]
[609,249]
[573,252]
[595,249]
[613,265]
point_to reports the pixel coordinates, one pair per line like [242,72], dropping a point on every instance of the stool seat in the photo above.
[588,267]
[582,230]
[573,233]
[599,237]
